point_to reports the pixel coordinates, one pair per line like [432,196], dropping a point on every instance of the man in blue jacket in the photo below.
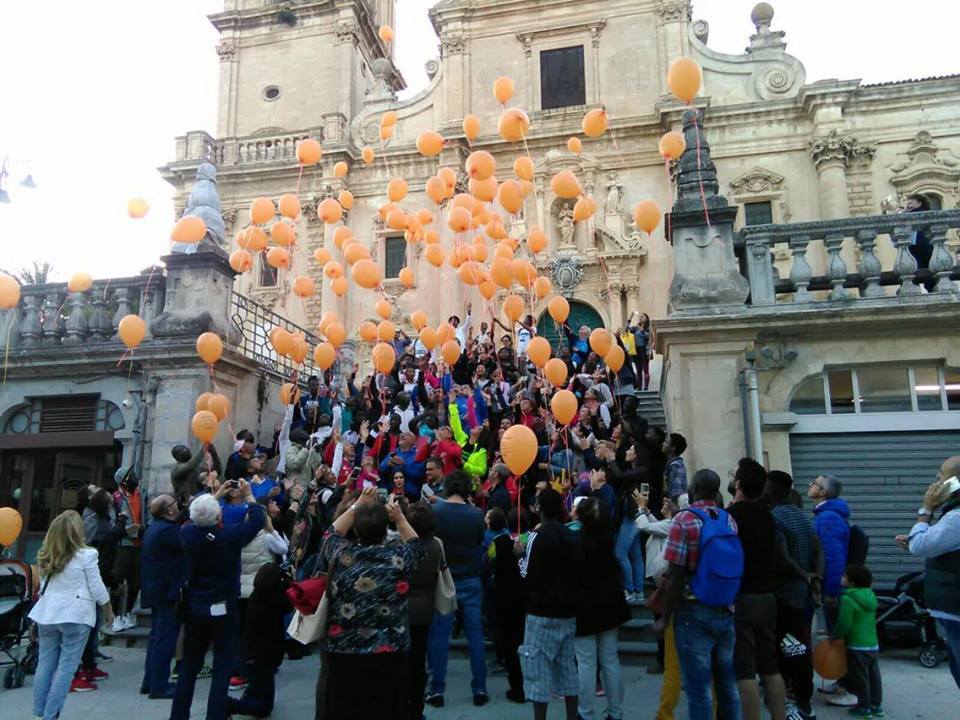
[162,567]
[404,458]
[831,514]
[212,552]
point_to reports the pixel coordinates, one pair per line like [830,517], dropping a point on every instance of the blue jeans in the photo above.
[163,642]
[590,649]
[951,629]
[705,639]
[200,632]
[629,552]
[470,601]
[61,646]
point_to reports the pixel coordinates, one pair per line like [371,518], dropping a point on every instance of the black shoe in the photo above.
[480,699]
[101,658]
[434,700]
[144,690]
[516,696]
[167,695]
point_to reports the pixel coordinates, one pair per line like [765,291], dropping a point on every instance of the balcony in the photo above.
[870,279]
[279,147]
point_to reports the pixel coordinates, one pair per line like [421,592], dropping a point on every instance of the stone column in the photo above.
[346,32]
[229,53]
[612,295]
[673,16]
[830,154]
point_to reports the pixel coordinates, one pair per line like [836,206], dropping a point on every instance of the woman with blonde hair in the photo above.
[71,589]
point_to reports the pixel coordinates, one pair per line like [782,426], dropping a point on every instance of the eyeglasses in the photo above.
[817,483]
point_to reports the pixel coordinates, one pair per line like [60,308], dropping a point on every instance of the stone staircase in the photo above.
[135,637]
[650,406]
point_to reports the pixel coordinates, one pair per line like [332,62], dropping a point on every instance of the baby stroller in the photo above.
[16,600]
[904,622]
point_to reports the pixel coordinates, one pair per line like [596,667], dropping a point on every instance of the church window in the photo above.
[936,202]
[271,92]
[562,78]
[395,256]
[268,275]
[757,213]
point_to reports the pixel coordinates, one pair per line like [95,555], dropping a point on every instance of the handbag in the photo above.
[444,591]
[307,628]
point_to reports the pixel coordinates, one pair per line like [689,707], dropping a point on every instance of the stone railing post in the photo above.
[800,272]
[905,265]
[52,323]
[941,262]
[870,267]
[837,268]
[760,271]
[76,325]
[31,328]
[101,326]
[124,307]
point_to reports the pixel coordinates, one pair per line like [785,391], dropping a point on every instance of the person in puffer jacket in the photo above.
[831,515]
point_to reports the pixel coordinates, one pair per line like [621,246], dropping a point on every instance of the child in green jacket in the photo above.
[857,626]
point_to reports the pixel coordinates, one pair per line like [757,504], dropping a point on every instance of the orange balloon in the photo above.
[219,405]
[367,154]
[496,229]
[523,167]
[136,208]
[80,282]
[254,239]
[406,277]
[385,33]
[565,185]
[513,307]
[209,347]
[397,219]
[241,261]
[480,250]
[327,319]
[830,659]
[481,165]
[672,145]
[459,219]
[684,78]
[487,289]
[339,286]
[324,355]
[574,145]
[354,252]
[503,250]
[519,448]
[386,132]
[647,216]
[383,309]
[436,189]
[484,190]
[446,332]
[11,523]
[189,229]
[345,198]
[471,127]
[282,233]
[304,286]
[424,216]
[615,358]
[204,426]
[600,341]
[321,255]
[366,274]
[429,337]
[503,90]
[289,206]
[330,211]
[595,123]
[556,372]
[450,352]
[385,331]
[539,351]
[501,272]
[435,255]
[397,189]
[429,144]
[384,356]
[368,331]
[418,318]
[510,195]
[278,257]
[309,152]
[131,329]
[564,406]
[341,234]
[523,272]
[282,340]
[340,169]
[336,334]
[333,270]
[299,351]
[202,402]
[9,292]
[526,186]
[584,209]
[514,125]
[449,176]
[536,240]
[389,118]
[472,273]
[289,393]
[559,308]
[542,287]
[262,211]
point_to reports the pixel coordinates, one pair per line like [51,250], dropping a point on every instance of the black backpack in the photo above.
[858,546]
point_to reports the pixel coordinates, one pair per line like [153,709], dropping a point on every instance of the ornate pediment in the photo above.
[757,181]
[924,166]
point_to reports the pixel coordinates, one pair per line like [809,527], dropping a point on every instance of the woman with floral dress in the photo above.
[367,633]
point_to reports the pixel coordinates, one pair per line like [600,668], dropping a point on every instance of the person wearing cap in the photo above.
[130,502]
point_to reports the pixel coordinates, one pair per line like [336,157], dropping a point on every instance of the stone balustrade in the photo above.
[869,279]
[262,148]
[49,315]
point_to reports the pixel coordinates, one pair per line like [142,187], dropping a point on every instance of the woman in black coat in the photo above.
[602,611]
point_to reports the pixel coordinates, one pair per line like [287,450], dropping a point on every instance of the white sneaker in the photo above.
[842,699]
[118,625]
[129,621]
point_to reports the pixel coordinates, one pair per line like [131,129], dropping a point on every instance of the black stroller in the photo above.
[904,622]
[16,600]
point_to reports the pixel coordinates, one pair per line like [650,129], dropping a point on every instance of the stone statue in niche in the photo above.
[566,225]
[614,202]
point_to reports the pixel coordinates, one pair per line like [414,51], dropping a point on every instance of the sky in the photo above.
[93,94]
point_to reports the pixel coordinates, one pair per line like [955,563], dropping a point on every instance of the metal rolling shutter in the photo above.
[884,476]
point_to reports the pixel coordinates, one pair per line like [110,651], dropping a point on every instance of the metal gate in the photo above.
[884,476]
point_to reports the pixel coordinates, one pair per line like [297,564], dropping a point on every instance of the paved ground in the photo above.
[910,690]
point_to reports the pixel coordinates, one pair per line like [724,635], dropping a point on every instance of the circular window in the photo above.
[271,92]
[19,423]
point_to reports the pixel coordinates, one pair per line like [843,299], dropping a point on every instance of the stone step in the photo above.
[136,637]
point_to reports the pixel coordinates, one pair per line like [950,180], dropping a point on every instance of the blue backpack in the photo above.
[720,568]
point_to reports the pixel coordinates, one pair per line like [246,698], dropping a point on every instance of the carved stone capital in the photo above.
[834,148]
[347,31]
[227,50]
[674,11]
[526,39]
[452,45]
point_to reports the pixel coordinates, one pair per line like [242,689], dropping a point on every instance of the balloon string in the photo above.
[526,148]
[216,389]
[299,178]
[616,146]
[703,195]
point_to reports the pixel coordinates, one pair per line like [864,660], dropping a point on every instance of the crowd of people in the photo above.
[393,488]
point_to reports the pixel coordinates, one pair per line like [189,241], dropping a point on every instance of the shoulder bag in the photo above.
[308,628]
[444,591]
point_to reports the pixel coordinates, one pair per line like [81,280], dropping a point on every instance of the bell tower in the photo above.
[297,63]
